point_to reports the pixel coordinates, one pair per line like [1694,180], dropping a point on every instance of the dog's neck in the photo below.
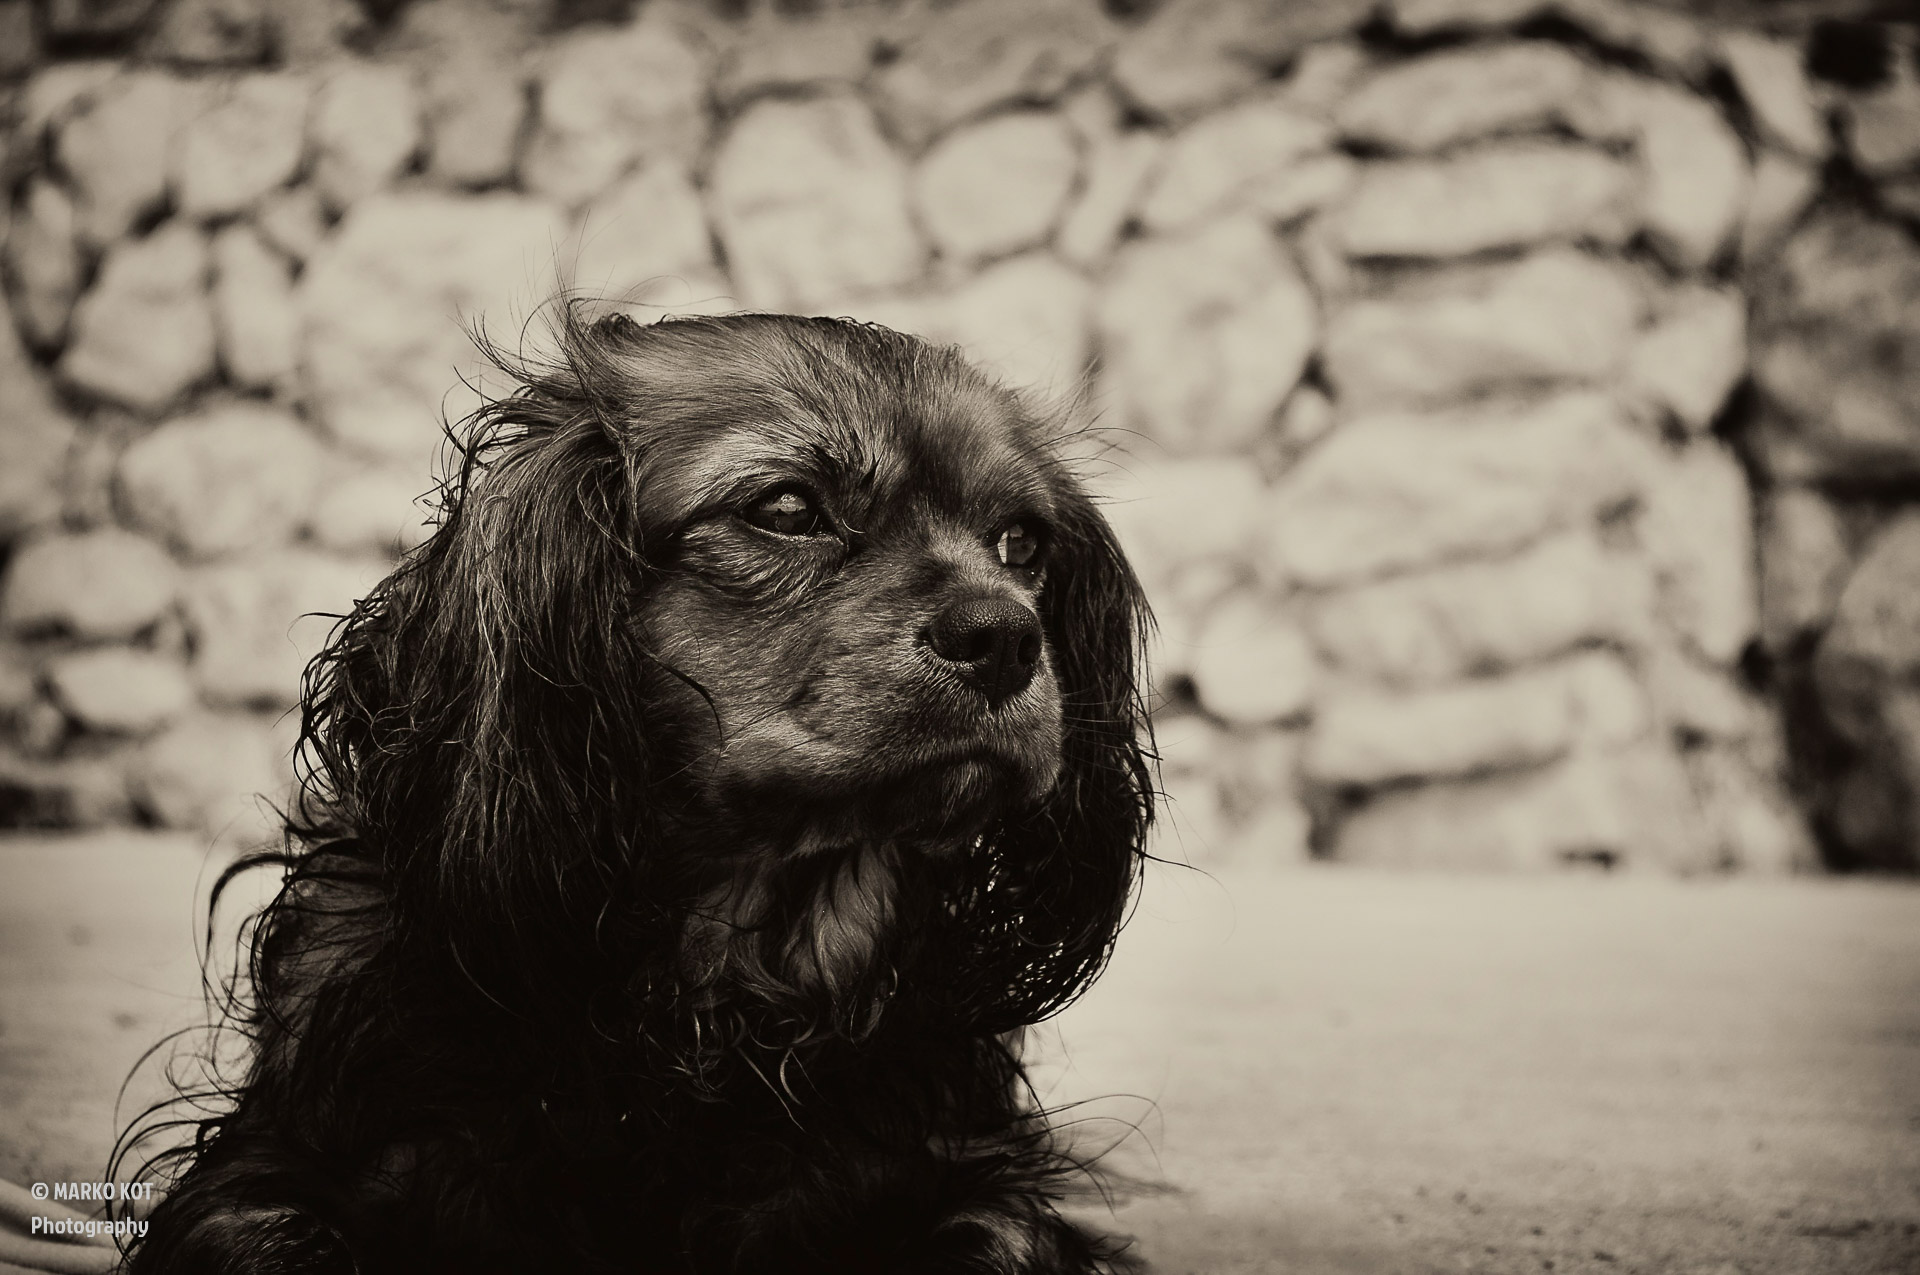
[815,925]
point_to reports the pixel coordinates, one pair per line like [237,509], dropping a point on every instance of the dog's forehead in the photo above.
[947,437]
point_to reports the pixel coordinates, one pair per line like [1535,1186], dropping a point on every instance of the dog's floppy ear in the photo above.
[475,720]
[1049,892]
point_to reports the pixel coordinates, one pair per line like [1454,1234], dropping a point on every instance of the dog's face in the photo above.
[763,636]
[852,584]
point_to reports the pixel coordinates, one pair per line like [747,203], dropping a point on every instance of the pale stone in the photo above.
[145,332]
[1665,37]
[1304,187]
[1308,417]
[1190,744]
[1171,648]
[776,53]
[475,106]
[116,690]
[1634,808]
[1753,821]
[259,330]
[1460,95]
[1804,563]
[293,221]
[1172,514]
[1253,665]
[1696,700]
[117,150]
[1205,334]
[1194,54]
[1901,197]
[19,684]
[1693,356]
[257,622]
[44,262]
[1564,592]
[1555,316]
[811,204]
[1610,706]
[40,729]
[1117,169]
[312,32]
[232,478]
[648,225]
[1783,188]
[1771,78]
[1210,165]
[214,772]
[1323,74]
[1694,168]
[384,303]
[1884,127]
[996,187]
[365,128]
[36,439]
[372,512]
[1697,526]
[249,141]
[1365,738]
[59,90]
[1397,490]
[1025,321]
[211,32]
[1425,17]
[1257,767]
[1324,262]
[1192,824]
[968,58]
[609,99]
[1499,196]
[1278,834]
[94,585]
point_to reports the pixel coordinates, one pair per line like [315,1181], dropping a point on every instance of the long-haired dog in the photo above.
[687,830]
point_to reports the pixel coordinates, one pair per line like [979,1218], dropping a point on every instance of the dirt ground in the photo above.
[1330,1071]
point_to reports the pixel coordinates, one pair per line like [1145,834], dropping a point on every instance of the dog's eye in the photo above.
[1019,545]
[787,511]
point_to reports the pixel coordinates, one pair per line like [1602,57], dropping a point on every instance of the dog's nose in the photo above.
[995,641]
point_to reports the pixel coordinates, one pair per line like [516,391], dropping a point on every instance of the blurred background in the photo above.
[1512,407]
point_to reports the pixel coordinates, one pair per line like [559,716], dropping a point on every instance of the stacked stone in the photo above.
[1400,341]
[1836,445]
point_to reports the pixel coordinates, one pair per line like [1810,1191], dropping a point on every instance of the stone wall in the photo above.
[1413,340]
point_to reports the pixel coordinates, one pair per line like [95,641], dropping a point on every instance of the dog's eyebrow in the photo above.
[746,462]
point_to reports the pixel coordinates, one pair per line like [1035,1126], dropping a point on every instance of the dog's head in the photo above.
[796,627]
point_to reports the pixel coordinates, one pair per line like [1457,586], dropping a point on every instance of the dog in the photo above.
[686,832]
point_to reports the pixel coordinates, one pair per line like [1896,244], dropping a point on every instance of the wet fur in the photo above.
[599,946]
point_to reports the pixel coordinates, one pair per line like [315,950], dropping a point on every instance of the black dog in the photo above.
[687,830]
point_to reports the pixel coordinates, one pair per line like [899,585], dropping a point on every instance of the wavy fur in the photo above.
[557,980]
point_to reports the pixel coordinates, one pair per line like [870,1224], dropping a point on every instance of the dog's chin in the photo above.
[934,807]
[946,804]
[927,804]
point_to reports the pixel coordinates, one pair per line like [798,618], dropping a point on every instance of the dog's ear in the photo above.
[1049,892]
[476,720]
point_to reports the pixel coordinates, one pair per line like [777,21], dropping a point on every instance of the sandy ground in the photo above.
[1332,1071]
